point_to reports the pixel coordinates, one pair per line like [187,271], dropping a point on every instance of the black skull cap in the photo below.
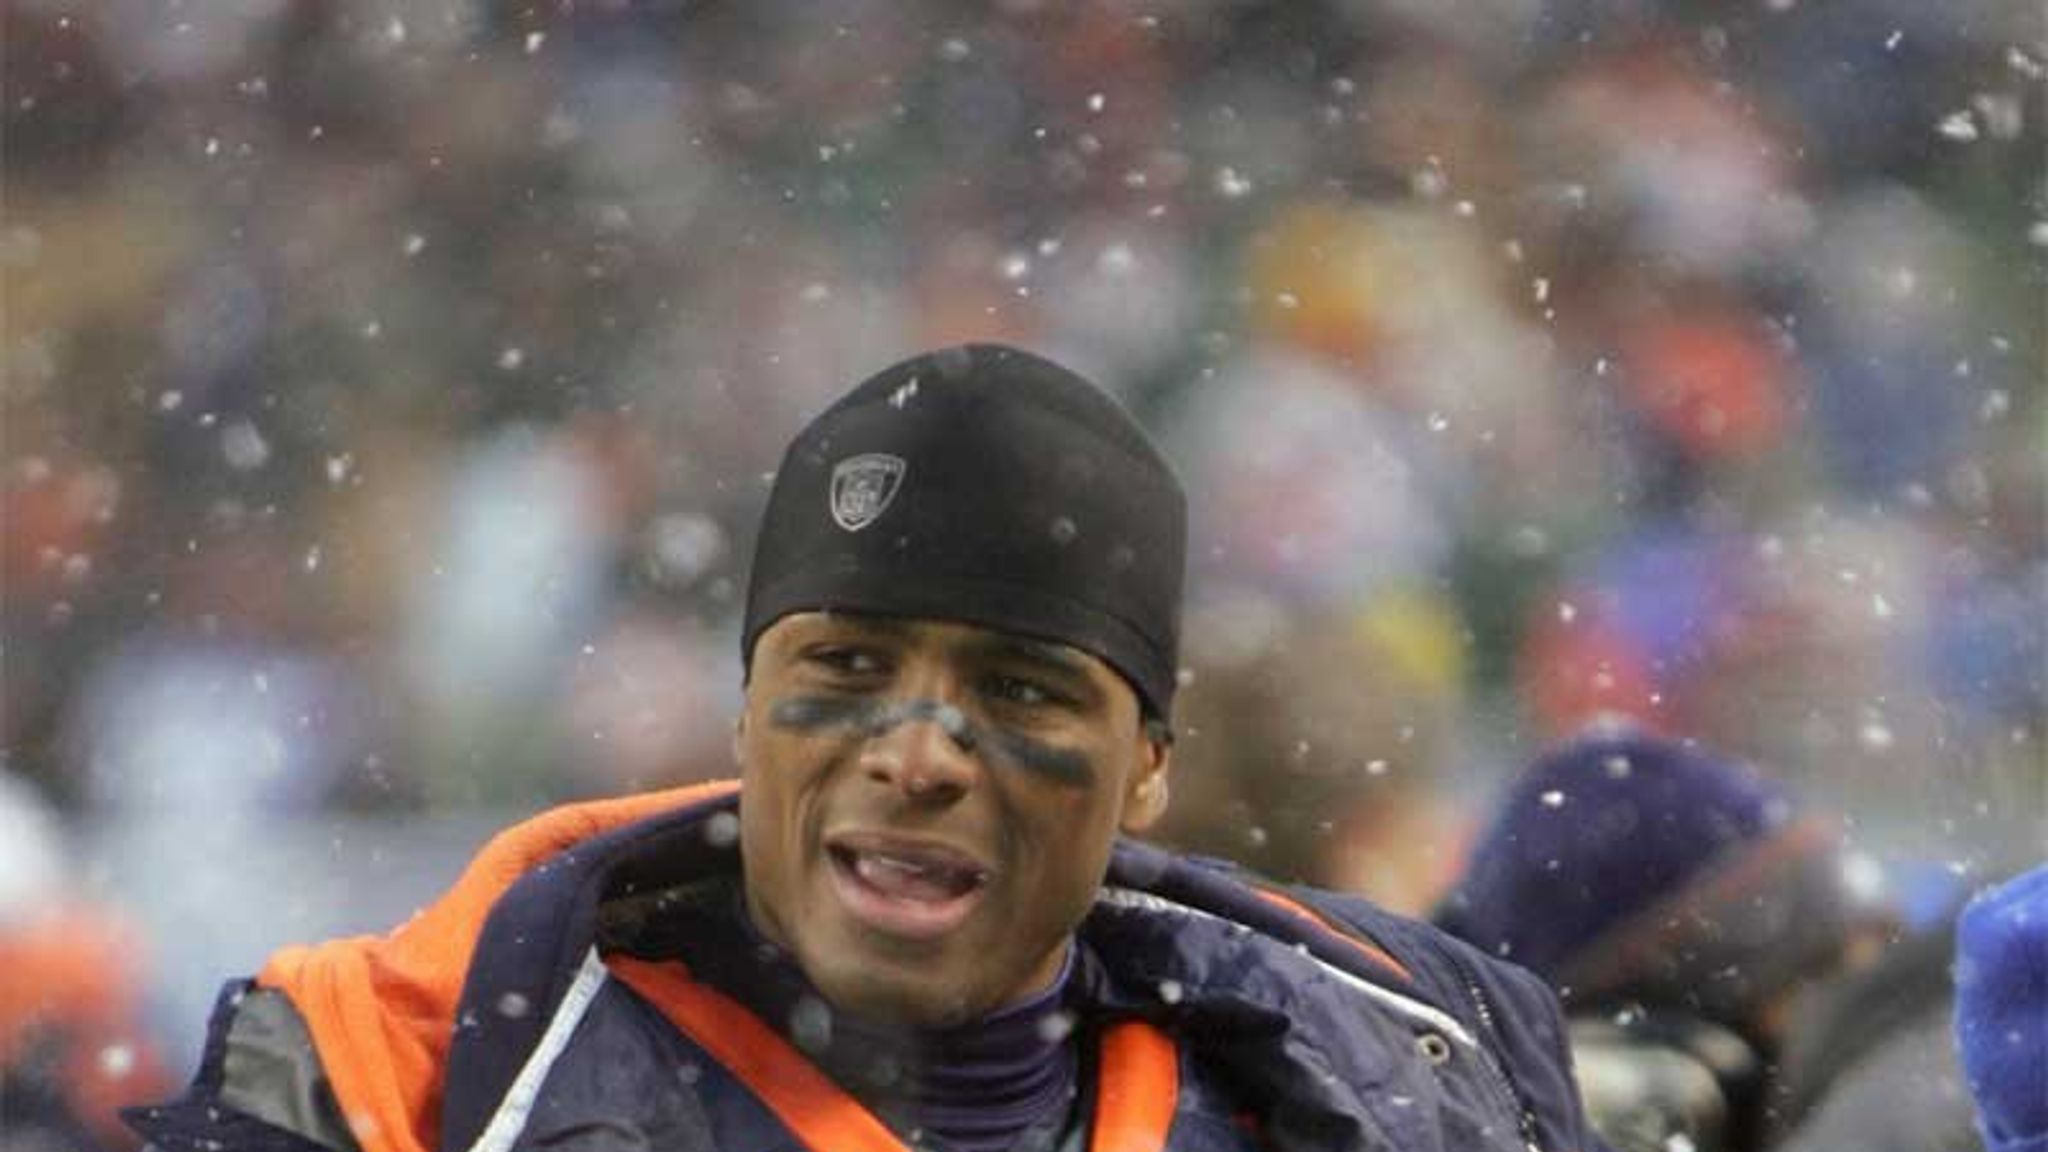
[984,485]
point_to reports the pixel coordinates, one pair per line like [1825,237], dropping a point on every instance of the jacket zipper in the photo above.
[1502,1078]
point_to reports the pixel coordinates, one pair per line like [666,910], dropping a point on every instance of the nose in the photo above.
[925,749]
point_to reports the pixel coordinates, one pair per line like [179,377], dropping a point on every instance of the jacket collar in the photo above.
[1267,987]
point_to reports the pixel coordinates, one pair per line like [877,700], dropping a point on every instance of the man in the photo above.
[1698,923]
[913,924]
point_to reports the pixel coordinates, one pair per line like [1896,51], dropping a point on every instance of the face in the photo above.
[927,808]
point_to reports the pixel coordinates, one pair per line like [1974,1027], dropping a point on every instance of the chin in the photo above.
[904,998]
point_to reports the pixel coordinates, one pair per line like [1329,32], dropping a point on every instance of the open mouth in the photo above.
[906,889]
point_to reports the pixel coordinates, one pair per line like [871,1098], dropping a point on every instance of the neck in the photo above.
[977,1086]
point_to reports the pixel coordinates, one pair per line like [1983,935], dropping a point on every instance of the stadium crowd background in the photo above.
[391,388]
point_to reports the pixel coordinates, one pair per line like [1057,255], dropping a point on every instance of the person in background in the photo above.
[2001,1010]
[914,922]
[1868,1064]
[73,1045]
[1316,758]
[1686,910]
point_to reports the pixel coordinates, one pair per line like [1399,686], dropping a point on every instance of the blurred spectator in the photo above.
[653,701]
[73,1046]
[1299,487]
[1315,755]
[1867,1061]
[1666,163]
[2001,1014]
[509,592]
[1682,906]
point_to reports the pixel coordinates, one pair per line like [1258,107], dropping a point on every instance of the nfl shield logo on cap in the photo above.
[863,486]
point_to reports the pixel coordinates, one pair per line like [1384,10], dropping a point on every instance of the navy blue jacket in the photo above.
[1253,1018]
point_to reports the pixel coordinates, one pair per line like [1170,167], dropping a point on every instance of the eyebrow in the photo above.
[992,641]
[1046,654]
[1056,656]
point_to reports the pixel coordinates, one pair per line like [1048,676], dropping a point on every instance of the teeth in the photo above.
[871,866]
[911,879]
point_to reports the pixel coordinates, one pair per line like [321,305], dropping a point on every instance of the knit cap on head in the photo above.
[984,485]
[2001,1012]
[1624,866]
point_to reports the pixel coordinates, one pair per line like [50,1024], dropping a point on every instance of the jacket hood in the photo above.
[382,1010]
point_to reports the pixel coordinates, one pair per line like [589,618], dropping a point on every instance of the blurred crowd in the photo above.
[390,388]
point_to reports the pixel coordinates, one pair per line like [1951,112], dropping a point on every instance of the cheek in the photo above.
[767,791]
[771,756]
[781,775]
[1073,856]
[1070,829]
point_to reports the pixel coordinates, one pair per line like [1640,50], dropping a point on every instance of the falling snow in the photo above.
[425,412]
[117,1061]
[1960,126]
[244,447]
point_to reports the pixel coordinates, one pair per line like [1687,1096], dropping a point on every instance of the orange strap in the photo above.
[1138,1091]
[810,1105]
[1140,1079]
[1377,954]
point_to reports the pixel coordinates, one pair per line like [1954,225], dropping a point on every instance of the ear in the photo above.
[1145,798]
[739,734]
